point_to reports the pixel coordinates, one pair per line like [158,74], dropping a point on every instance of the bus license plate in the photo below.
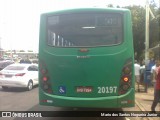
[84,89]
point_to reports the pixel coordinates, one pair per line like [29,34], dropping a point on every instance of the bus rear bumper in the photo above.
[126,100]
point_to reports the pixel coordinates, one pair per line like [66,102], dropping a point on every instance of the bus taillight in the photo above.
[45,81]
[125,87]
[46,86]
[126,70]
[126,77]
[44,71]
[45,78]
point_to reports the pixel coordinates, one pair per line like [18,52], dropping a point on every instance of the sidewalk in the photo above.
[144,100]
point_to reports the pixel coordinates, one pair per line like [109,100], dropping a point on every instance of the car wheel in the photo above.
[30,85]
[4,87]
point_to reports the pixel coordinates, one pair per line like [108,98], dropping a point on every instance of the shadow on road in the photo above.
[16,89]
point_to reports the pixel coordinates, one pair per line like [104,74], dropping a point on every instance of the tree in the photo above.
[30,50]
[154,26]
[138,20]
[109,5]
[21,51]
[138,26]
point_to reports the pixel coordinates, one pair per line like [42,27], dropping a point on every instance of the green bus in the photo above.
[86,58]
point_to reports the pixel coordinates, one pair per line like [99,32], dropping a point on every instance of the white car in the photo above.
[19,75]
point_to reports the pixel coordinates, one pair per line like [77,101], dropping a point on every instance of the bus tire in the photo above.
[30,85]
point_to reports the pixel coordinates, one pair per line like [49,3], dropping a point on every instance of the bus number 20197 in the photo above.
[111,89]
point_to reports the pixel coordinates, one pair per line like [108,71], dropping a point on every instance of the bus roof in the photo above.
[93,9]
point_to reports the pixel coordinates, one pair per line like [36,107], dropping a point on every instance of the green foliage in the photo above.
[21,51]
[138,20]
[30,50]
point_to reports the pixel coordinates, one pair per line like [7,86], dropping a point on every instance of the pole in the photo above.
[147,33]
[146,42]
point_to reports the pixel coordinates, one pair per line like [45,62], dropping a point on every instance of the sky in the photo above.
[20,19]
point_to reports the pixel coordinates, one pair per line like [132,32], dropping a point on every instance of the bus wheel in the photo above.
[30,85]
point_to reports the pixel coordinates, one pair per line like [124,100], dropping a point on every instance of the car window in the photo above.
[36,68]
[30,68]
[4,65]
[33,68]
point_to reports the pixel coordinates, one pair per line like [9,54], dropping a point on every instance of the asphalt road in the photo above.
[15,99]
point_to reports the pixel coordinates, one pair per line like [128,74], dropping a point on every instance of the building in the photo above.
[22,55]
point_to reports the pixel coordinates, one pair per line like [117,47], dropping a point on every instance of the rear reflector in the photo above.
[47,101]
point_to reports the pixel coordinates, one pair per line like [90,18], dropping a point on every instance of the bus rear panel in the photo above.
[86,58]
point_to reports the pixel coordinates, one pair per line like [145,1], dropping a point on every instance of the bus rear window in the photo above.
[84,30]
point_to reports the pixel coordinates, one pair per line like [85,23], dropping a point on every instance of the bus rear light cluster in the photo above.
[45,81]
[126,75]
